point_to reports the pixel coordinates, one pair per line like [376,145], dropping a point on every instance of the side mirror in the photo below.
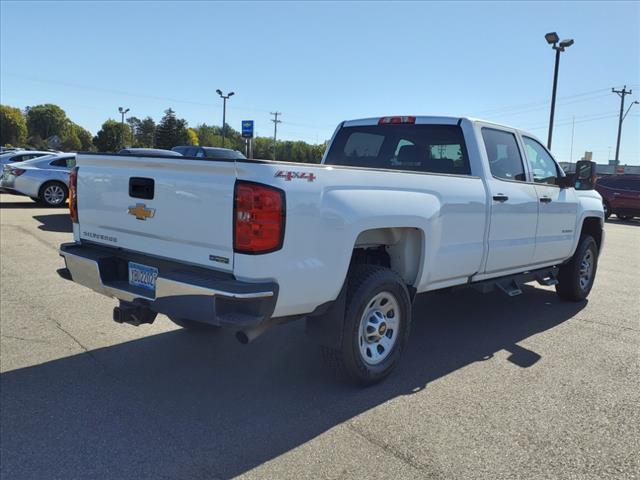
[585,176]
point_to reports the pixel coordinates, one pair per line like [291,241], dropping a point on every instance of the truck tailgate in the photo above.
[167,206]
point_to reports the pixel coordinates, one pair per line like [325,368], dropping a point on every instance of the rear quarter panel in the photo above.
[325,217]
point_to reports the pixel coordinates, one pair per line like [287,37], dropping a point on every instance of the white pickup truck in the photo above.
[399,206]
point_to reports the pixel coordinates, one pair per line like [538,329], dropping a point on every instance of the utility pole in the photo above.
[621,93]
[275,130]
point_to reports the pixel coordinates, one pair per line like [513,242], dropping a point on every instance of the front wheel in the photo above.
[376,325]
[575,278]
[625,218]
[607,209]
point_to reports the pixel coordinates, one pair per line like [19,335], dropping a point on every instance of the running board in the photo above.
[510,287]
[512,284]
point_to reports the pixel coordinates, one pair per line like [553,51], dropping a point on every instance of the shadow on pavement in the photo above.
[56,222]
[635,222]
[183,405]
[26,204]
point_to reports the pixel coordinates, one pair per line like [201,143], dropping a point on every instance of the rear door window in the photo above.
[410,147]
[60,162]
[503,153]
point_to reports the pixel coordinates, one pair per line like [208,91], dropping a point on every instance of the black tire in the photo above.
[365,284]
[193,325]
[624,218]
[53,194]
[607,209]
[570,286]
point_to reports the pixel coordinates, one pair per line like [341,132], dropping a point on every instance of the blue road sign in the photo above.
[247,128]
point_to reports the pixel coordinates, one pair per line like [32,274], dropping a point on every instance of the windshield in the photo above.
[420,148]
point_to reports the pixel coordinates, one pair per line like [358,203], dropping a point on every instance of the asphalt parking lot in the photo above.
[490,387]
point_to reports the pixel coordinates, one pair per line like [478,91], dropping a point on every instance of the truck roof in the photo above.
[423,119]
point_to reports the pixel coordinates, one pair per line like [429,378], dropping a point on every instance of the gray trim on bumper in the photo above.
[182,291]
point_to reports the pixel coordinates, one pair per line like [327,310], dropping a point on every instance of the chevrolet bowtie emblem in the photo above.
[141,212]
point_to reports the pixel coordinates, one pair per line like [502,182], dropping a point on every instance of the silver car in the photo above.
[21,156]
[44,179]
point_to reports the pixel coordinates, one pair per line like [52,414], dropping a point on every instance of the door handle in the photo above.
[500,198]
[545,199]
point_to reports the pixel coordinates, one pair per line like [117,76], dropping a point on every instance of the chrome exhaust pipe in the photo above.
[248,335]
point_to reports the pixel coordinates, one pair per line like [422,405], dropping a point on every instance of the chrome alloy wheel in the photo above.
[586,269]
[53,195]
[379,328]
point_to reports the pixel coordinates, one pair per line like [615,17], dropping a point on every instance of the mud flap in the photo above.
[326,328]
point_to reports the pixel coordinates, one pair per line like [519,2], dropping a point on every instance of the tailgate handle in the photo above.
[140,187]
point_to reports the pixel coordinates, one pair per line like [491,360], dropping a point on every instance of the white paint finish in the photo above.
[557,223]
[512,231]
[462,233]
[325,217]
[193,205]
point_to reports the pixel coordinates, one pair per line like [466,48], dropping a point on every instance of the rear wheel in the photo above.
[53,194]
[625,218]
[376,325]
[193,325]
[575,278]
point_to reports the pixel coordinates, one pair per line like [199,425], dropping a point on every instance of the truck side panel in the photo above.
[325,217]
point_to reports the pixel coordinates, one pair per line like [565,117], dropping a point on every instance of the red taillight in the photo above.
[73,194]
[396,120]
[16,172]
[258,218]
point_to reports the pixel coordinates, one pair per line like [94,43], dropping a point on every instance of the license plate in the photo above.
[142,276]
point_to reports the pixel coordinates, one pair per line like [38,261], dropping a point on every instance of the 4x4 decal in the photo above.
[289,175]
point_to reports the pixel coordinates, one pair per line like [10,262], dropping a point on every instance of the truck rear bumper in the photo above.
[182,291]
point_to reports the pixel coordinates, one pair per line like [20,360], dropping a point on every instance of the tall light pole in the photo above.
[122,112]
[553,39]
[224,111]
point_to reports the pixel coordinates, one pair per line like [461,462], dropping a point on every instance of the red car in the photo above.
[620,195]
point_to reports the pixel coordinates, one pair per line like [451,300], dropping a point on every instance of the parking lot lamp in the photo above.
[553,39]
[122,113]
[224,111]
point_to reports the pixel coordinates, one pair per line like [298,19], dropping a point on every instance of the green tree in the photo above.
[110,137]
[46,120]
[208,135]
[171,131]
[75,138]
[143,131]
[86,140]
[71,142]
[13,127]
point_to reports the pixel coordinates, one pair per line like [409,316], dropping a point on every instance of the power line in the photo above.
[542,103]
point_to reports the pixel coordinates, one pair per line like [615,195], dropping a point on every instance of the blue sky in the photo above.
[320,63]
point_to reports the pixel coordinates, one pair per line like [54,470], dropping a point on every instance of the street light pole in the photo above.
[224,111]
[122,112]
[553,39]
